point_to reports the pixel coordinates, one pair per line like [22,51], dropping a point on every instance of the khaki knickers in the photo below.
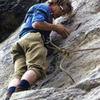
[28,53]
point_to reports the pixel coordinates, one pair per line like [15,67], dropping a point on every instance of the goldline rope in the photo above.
[66,52]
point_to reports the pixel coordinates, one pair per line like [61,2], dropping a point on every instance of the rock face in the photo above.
[12,13]
[83,66]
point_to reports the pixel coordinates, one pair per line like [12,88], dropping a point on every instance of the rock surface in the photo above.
[83,66]
[12,13]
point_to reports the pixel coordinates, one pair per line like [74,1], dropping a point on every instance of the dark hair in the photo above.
[70,8]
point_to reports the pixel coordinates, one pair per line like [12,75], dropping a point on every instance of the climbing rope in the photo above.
[66,52]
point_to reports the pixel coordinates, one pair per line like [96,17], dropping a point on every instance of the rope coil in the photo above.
[66,52]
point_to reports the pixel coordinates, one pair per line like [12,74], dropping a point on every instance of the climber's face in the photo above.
[59,10]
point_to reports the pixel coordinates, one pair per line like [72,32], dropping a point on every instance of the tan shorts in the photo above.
[28,53]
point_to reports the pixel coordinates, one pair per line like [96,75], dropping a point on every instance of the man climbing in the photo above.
[28,53]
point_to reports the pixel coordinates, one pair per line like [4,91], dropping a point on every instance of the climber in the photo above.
[28,53]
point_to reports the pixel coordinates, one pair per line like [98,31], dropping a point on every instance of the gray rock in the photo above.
[12,13]
[83,66]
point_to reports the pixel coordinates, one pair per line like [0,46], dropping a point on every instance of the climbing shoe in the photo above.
[18,89]
[8,95]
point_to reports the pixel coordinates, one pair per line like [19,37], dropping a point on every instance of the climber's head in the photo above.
[64,6]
